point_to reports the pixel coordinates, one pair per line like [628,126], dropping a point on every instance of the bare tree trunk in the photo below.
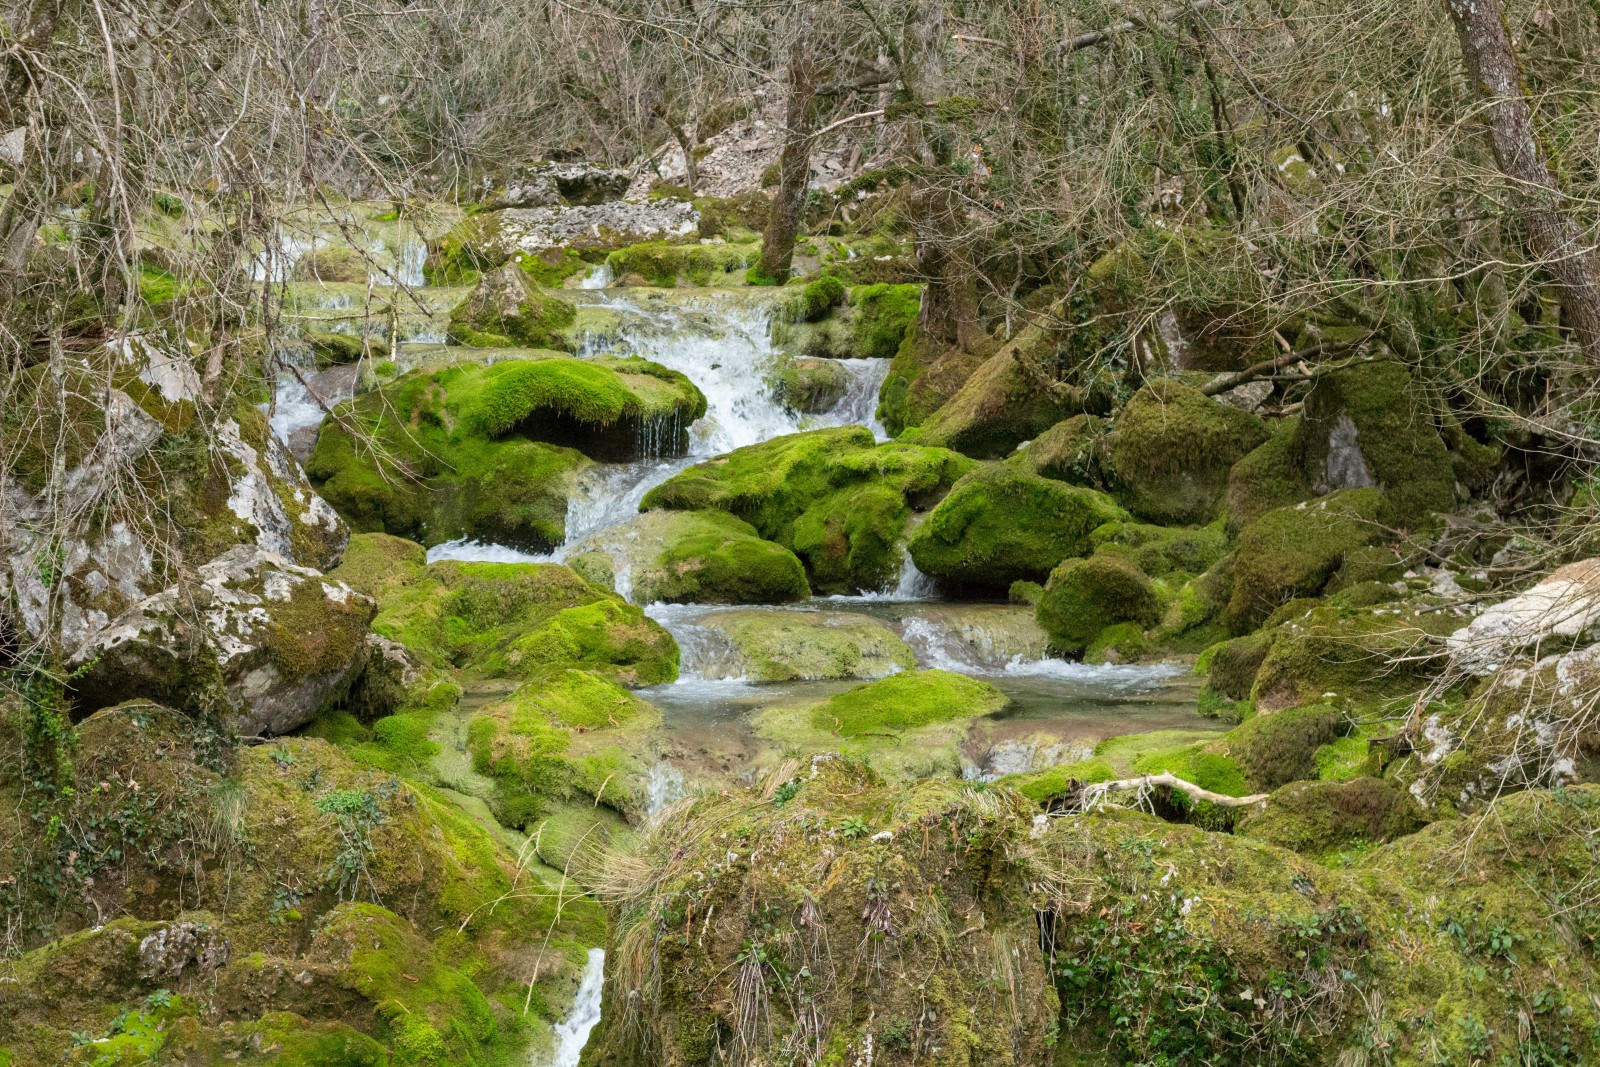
[950,305]
[794,164]
[1491,67]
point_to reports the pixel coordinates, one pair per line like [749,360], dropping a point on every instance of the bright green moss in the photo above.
[1266,478]
[997,405]
[1123,642]
[1319,818]
[1085,596]
[666,265]
[1071,451]
[697,557]
[906,701]
[1281,747]
[884,315]
[1198,765]
[834,497]
[818,299]
[1162,550]
[506,310]
[1171,448]
[1000,525]
[810,385]
[923,375]
[1293,551]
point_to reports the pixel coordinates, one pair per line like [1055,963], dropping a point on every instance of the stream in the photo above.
[1059,710]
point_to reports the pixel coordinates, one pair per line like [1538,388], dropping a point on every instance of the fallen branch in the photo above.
[1144,783]
[1099,37]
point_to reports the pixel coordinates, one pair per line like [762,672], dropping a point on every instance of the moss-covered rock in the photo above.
[333,349]
[274,645]
[810,386]
[1171,449]
[785,646]
[1319,818]
[1280,747]
[283,951]
[883,315]
[1233,664]
[998,407]
[568,733]
[923,375]
[1269,477]
[695,557]
[1163,550]
[835,497]
[507,310]
[492,452]
[1084,596]
[331,263]
[1370,425]
[665,264]
[1001,525]
[1292,552]
[1073,451]
[518,620]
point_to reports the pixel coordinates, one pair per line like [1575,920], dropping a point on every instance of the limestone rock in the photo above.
[277,640]
[1566,605]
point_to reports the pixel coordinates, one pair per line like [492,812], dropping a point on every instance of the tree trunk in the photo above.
[1491,67]
[950,304]
[794,164]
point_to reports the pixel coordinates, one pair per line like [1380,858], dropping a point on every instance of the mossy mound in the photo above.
[810,386]
[1001,525]
[1072,451]
[506,310]
[663,264]
[1369,425]
[274,944]
[1163,550]
[1269,477]
[695,557]
[1084,596]
[1292,552]
[1170,451]
[1321,818]
[1276,748]
[492,452]
[999,406]
[879,888]
[1164,943]
[333,349]
[331,263]
[921,378]
[883,315]
[517,620]
[870,324]
[835,497]
[786,646]
[568,734]
[906,701]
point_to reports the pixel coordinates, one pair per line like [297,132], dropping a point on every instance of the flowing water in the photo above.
[572,1033]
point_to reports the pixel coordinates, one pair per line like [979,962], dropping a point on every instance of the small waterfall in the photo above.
[572,1033]
[705,654]
[860,403]
[408,262]
[468,551]
[666,785]
[276,262]
[912,583]
[598,278]
[293,408]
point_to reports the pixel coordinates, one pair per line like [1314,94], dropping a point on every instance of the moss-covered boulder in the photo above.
[265,645]
[786,646]
[1292,552]
[871,323]
[1073,451]
[1269,477]
[835,497]
[923,375]
[693,557]
[1370,426]
[998,407]
[1319,818]
[1084,596]
[1280,747]
[567,734]
[493,452]
[833,851]
[1159,551]
[507,310]
[810,386]
[267,943]
[906,726]
[515,620]
[1001,525]
[1171,449]
[666,264]
[882,316]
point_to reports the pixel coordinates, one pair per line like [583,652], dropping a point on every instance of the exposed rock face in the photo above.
[237,484]
[284,640]
[1566,605]
[502,234]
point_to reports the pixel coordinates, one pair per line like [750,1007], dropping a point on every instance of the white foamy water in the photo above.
[572,1033]
[293,408]
[910,585]
[665,785]
[468,551]
[705,655]
[598,278]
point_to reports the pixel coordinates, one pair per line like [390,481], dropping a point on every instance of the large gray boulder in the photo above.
[261,642]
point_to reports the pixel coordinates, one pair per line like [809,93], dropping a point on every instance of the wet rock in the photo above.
[255,638]
[785,646]
[810,385]
[506,310]
[698,557]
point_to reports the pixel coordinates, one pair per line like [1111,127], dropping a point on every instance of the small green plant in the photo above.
[786,792]
[161,998]
[355,813]
[853,827]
